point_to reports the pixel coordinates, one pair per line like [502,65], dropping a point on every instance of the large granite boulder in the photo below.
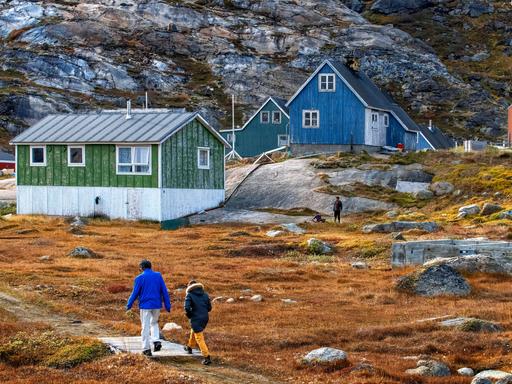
[430,368]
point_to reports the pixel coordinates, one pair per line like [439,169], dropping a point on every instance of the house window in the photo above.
[134,160]
[265,117]
[283,140]
[38,156]
[203,158]
[375,120]
[386,120]
[276,117]
[327,83]
[76,156]
[310,119]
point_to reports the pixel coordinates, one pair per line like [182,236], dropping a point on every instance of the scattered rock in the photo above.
[391,214]
[26,231]
[505,215]
[318,247]
[171,327]
[398,236]
[326,357]
[84,253]
[468,210]
[218,298]
[423,195]
[289,301]
[442,188]
[257,298]
[293,228]
[434,281]
[230,300]
[45,258]
[275,233]
[359,265]
[466,372]
[430,368]
[491,375]
[490,208]
[396,226]
[469,324]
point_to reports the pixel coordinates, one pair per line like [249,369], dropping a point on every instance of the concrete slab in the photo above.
[133,345]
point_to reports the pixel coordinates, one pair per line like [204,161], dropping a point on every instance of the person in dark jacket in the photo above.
[337,207]
[197,305]
[149,287]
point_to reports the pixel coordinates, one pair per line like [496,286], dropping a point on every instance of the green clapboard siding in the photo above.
[99,170]
[179,159]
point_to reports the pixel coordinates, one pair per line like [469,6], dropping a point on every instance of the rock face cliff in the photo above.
[58,56]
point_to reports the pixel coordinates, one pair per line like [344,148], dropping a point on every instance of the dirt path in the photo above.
[215,374]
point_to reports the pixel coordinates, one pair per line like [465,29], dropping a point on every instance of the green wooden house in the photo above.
[267,129]
[141,164]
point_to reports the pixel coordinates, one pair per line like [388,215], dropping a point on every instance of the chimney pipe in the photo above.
[128,109]
[147,101]
[430,126]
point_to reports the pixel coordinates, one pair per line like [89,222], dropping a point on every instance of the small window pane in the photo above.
[141,168]
[265,117]
[125,155]
[75,156]
[125,168]
[38,155]
[203,160]
[141,155]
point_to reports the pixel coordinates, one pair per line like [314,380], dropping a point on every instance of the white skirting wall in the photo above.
[116,203]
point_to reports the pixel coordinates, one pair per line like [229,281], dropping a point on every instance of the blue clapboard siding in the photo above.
[256,137]
[342,114]
[422,143]
[396,134]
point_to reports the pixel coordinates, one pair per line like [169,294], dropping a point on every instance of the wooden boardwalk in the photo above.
[133,345]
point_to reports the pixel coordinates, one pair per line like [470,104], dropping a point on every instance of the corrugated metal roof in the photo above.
[106,127]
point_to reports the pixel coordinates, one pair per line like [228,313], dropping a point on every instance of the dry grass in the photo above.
[355,310]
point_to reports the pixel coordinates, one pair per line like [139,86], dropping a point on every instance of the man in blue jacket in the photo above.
[149,287]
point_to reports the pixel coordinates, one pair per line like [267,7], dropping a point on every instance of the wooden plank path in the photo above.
[134,345]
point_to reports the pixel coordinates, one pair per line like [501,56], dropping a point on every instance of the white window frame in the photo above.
[385,120]
[327,78]
[132,147]
[311,111]
[199,149]
[82,164]
[274,120]
[268,117]
[286,139]
[43,164]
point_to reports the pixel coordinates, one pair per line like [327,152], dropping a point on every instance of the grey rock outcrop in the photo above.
[470,324]
[441,188]
[466,371]
[475,263]
[430,368]
[318,247]
[492,375]
[397,6]
[397,226]
[490,208]
[434,281]
[469,210]
[84,253]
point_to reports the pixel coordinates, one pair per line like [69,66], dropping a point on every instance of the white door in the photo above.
[134,199]
[375,130]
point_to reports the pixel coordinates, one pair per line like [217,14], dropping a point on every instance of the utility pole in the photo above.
[233,154]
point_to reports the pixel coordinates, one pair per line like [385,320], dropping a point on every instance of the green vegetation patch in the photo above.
[342,160]
[375,192]
[48,349]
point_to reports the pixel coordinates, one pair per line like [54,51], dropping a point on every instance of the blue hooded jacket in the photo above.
[197,305]
[150,289]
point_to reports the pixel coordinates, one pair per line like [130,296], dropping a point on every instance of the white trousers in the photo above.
[150,331]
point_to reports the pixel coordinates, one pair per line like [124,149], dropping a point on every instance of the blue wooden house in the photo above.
[339,108]
[267,129]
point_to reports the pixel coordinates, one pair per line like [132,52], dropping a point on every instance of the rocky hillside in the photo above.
[73,55]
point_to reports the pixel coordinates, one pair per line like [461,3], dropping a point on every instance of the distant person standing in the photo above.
[337,207]
[149,287]
[197,305]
